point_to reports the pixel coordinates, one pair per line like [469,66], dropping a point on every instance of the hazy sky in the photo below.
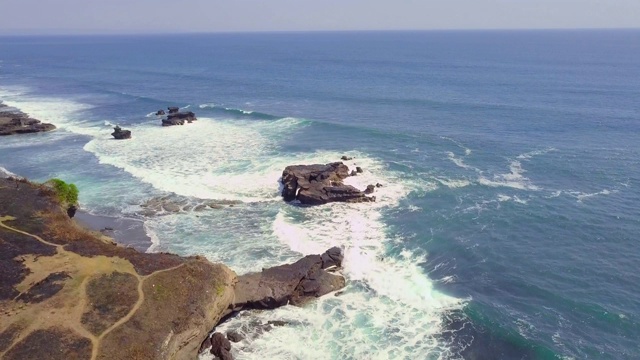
[153,16]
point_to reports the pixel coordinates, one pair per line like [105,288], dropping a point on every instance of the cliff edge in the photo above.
[66,292]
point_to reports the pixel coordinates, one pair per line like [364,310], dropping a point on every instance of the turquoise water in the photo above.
[507,225]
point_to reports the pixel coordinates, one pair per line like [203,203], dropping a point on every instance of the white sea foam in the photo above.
[531,154]
[467,151]
[63,113]
[514,179]
[460,162]
[453,183]
[208,159]
[4,173]
[583,196]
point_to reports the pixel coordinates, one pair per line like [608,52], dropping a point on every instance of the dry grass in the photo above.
[59,227]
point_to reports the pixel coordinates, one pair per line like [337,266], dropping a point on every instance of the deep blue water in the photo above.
[507,226]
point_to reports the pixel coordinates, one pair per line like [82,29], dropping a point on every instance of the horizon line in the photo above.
[45,33]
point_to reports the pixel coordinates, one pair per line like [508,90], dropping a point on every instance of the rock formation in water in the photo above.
[179,118]
[320,184]
[120,134]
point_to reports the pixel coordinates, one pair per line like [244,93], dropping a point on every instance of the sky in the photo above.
[178,16]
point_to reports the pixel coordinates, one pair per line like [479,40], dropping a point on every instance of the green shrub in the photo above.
[66,193]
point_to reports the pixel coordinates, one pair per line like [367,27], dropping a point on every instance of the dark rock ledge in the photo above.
[290,284]
[16,122]
[175,117]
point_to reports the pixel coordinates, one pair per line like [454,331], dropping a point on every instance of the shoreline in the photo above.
[125,231]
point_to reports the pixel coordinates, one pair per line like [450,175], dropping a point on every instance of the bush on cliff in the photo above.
[66,193]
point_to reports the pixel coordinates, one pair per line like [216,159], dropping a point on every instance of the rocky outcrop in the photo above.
[15,122]
[294,284]
[160,112]
[319,184]
[179,118]
[66,293]
[173,109]
[221,347]
[120,134]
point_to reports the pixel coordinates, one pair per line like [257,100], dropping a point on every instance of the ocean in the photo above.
[507,225]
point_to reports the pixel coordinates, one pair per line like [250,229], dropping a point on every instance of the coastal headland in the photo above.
[68,292]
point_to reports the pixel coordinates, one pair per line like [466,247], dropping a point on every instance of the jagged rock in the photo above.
[120,134]
[319,184]
[171,122]
[359,169]
[332,257]
[370,189]
[346,158]
[179,118]
[15,122]
[160,112]
[173,109]
[353,173]
[188,116]
[234,336]
[220,346]
[292,283]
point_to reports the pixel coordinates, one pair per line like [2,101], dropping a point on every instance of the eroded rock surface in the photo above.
[295,283]
[320,184]
[16,122]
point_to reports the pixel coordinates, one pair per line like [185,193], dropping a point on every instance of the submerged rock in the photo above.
[346,158]
[173,109]
[319,184]
[370,189]
[234,336]
[160,112]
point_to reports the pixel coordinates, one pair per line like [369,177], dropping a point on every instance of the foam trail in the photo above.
[453,183]
[467,151]
[583,196]
[460,163]
[531,154]
[514,179]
